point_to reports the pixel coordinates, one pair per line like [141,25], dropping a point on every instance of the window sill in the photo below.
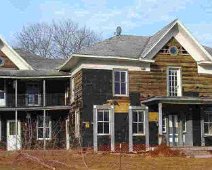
[102,134]
[139,134]
[43,139]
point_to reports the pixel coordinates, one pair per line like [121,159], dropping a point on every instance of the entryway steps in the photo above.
[197,152]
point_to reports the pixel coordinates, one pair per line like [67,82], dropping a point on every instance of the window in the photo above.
[120,82]
[208,123]
[174,82]
[33,94]
[164,124]
[138,122]
[103,122]
[40,128]
[173,50]
[1,61]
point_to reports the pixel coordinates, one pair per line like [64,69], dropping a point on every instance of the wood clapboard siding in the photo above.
[7,62]
[153,83]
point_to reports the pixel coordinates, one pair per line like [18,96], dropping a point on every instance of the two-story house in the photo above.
[137,90]
[34,101]
[143,90]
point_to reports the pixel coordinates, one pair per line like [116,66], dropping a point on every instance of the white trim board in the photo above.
[14,56]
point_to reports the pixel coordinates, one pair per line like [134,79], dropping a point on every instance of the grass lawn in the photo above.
[29,160]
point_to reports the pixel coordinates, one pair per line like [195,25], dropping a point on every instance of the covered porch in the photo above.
[181,121]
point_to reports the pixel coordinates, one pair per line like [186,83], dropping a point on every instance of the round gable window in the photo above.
[1,61]
[173,50]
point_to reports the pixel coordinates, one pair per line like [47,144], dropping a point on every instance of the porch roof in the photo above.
[177,100]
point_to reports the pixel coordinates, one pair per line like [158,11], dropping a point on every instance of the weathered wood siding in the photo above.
[7,62]
[154,83]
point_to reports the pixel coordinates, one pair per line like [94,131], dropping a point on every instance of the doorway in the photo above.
[12,142]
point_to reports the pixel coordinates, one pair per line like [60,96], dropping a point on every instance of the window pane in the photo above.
[100,127]
[12,128]
[117,76]
[117,88]
[100,116]
[106,127]
[134,127]
[47,121]
[106,116]
[123,88]
[40,132]
[135,117]
[47,133]
[210,128]
[206,128]
[123,76]
[140,128]
[141,116]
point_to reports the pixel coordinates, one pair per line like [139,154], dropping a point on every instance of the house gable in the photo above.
[6,62]
[13,56]
[184,37]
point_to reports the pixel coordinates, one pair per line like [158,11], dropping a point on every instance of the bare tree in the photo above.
[55,40]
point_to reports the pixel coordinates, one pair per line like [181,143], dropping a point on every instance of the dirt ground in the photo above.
[34,160]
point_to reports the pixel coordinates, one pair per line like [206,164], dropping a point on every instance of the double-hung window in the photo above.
[40,128]
[138,122]
[174,81]
[120,82]
[208,123]
[103,122]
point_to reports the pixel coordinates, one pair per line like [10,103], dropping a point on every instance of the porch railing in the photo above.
[33,100]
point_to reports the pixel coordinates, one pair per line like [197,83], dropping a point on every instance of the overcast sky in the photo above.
[137,17]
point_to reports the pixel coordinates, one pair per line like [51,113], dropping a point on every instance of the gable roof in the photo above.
[131,46]
[38,62]
[14,56]
[122,46]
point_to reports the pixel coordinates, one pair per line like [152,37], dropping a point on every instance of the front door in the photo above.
[2,94]
[12,142]
[173,130]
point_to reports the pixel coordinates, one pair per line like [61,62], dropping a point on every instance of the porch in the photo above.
[24,93]
[40,129]
[181,121]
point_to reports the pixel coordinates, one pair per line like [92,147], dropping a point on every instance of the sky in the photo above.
[136,17]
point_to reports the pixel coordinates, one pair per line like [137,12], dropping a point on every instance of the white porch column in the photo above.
[147,127]
[130,130]
[95,145]
[160,119]
[112,133]
[16,114]
[44,115]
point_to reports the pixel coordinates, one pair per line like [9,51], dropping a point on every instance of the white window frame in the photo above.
[77,124]
[164,124]
[126,82]
[143,112]
[47,127]
[102,134]
[207,112]
[179,81]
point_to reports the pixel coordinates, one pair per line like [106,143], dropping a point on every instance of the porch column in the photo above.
[180,130]
[44,115]
[130,130]
[95,128]
[160,119]
[147,127]
[16,114]
[202,127]
[112,129]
